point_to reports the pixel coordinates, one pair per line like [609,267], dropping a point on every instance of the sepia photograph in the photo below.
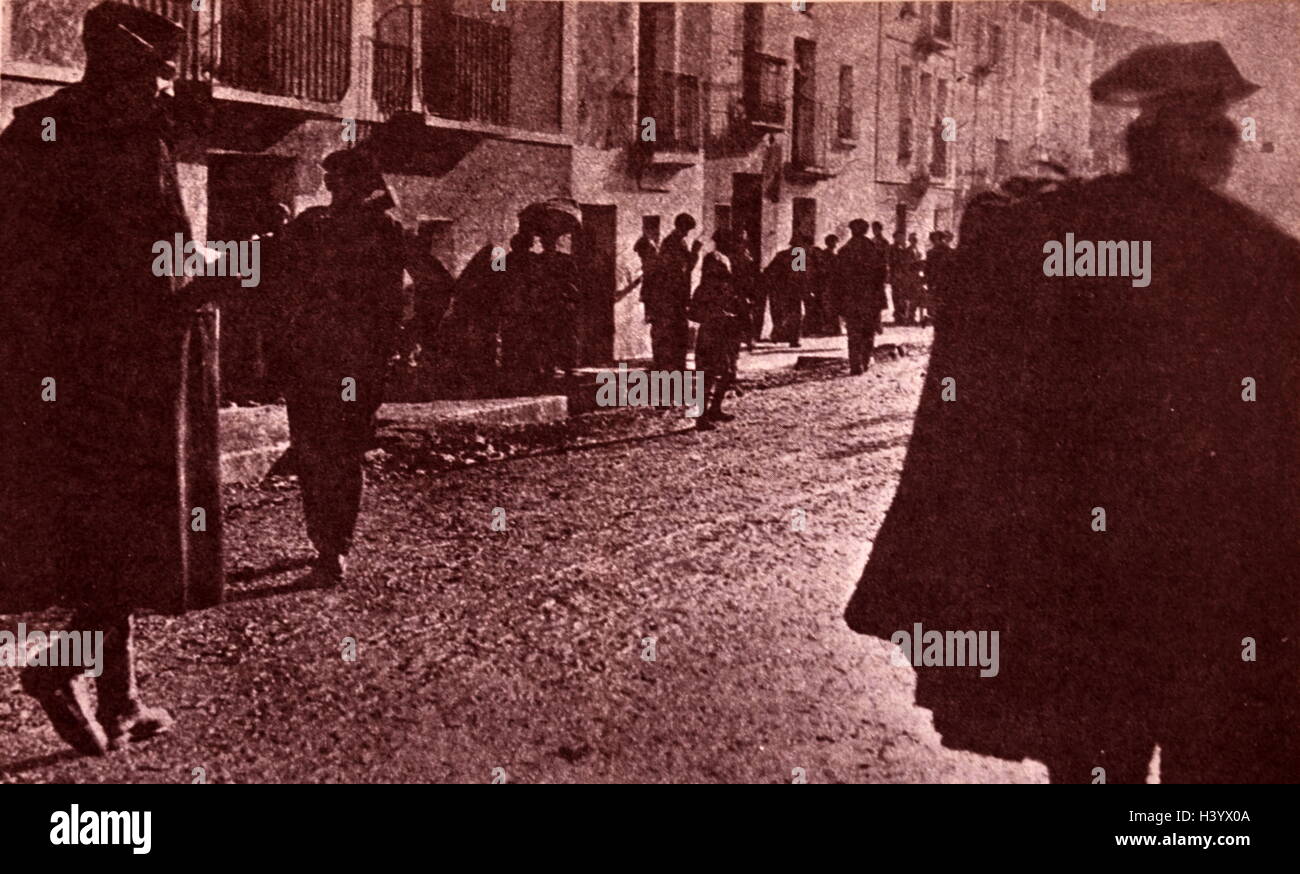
[606,392]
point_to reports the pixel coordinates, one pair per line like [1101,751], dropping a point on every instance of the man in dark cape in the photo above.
[112,500]
[1104,467]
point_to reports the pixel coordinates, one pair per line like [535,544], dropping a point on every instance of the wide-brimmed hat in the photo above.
[1196,76]
[131,38]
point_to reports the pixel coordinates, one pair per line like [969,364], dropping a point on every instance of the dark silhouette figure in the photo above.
[789,278]
[667,294]
[904,277]
[432,295]
[938,273]
[343,307]
[513,294]
[859,293]
[748,278]
[1171,407]
[825,321]
[109,400]
[557,297]
[720,310]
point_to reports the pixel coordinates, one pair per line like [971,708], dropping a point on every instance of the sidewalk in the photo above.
[254,438]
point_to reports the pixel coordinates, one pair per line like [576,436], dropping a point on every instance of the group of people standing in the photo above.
[809,290]
[512,321]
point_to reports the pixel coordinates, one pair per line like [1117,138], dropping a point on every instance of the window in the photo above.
[845,124]
[1001,159]
[804,221]
[995,44]
[925,115]
[722,216]
[1038,40]
[938,145]
[1056,44]
[943,21]
[904,114]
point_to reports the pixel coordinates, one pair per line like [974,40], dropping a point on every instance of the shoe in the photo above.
[66,701]
[328,571]
[136,723]
[720,416]
[705,423]
[855,371]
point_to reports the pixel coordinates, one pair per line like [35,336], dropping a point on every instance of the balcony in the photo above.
[810,144]
[289,48]
[673,101]
[465,69]
[764,90]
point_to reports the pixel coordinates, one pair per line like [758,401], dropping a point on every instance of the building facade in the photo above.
[781,118]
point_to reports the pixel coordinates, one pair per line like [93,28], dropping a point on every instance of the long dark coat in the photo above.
[100,484]
[787,290]
[1078,393]
[858,280]
[340,285]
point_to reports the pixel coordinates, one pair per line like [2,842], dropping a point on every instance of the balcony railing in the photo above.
[290,48]
[764,87]
[466,69]
[673,101]
[390,76]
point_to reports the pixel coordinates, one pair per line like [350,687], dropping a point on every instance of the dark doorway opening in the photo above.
[747,209]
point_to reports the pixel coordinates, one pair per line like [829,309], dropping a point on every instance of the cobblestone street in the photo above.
[522,649]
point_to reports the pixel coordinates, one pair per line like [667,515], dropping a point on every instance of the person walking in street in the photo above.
[720,311]
[859,291]
[108,411]
[342,285]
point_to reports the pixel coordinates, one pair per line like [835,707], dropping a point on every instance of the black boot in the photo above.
[123,715]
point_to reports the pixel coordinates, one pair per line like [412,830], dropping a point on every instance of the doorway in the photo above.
[747,210]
